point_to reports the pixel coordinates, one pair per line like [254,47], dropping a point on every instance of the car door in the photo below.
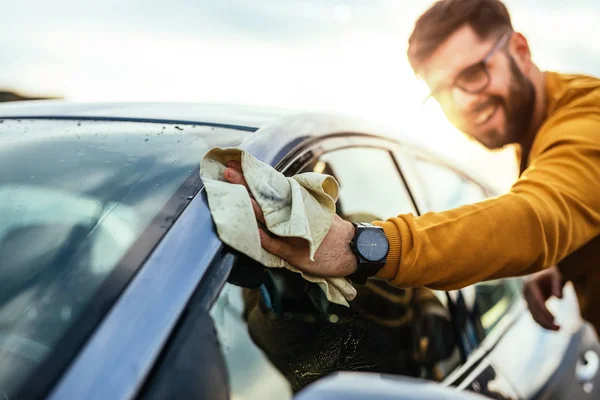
[371,186]
[478,308]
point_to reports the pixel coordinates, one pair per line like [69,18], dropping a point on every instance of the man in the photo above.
[481,73]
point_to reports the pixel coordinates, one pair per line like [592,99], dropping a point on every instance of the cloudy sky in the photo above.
[345,56]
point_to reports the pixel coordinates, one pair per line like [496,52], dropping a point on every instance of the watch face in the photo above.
[372,245]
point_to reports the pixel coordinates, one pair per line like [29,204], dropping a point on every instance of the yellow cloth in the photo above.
[552,211]
[301,206]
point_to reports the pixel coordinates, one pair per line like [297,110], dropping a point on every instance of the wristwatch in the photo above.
[371,247]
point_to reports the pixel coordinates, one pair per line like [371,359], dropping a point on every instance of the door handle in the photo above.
[587,366]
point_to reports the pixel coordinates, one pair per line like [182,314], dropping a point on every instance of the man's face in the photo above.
[499,114]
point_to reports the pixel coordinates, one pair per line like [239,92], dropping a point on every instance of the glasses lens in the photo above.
[473,79]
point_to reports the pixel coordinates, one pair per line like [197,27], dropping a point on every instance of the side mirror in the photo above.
[363,385]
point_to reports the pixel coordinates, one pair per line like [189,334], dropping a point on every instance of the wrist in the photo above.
[350,264]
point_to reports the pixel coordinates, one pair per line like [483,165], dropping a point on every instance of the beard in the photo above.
[518,110]
[521,99]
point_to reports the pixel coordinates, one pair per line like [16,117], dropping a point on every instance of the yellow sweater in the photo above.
[550,216]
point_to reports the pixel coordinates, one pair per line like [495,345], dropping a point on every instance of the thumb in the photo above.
[557,285]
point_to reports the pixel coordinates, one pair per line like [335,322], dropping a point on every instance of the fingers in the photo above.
[276,246]
[537,307]
[235,177]
[257,211]
[557,283]
[235,165]
[557,286]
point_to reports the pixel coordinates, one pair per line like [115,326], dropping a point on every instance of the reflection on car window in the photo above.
[494,298]
[274,351]
[74,198]
[446,189]
[251,375]
[370,184]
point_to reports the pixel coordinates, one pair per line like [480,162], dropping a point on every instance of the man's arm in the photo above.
[550,212]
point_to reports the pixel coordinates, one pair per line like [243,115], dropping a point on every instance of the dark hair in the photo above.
[486,17]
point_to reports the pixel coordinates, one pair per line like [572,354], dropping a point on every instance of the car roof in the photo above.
[250,117]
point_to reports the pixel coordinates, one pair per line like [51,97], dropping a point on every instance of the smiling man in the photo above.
[481,73]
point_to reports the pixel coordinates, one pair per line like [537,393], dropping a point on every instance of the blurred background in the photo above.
[337,56]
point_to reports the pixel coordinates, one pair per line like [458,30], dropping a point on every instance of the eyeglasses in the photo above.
[475,78]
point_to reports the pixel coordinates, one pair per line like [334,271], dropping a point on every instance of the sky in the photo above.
[341,56]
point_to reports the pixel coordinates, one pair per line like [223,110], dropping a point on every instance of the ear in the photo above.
[519,50]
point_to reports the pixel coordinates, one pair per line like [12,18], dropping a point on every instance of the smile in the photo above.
[486,114]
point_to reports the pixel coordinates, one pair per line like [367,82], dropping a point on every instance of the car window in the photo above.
[285,335]
[78,201]
[370,185]
[445,189]
[251,374]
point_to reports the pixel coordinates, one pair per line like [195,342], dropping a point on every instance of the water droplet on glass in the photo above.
[65,313]
[32,313]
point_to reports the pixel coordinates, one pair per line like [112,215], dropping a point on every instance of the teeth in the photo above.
[485,114]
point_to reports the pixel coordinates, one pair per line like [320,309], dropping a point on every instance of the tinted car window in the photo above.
[75,199]
[251,374]
[446,189]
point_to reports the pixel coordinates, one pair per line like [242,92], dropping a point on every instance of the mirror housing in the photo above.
[364,385]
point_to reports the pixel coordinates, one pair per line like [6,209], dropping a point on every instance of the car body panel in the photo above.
[550,368]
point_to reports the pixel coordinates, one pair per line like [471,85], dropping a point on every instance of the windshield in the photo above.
[77,200]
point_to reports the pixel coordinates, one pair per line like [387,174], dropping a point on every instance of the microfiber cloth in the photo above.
[301,206]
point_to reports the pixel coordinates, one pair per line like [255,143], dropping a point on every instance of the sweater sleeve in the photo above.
[552,210]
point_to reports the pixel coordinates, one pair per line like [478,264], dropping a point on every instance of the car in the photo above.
[115,285]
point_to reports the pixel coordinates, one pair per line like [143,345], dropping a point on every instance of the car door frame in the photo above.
[313,149]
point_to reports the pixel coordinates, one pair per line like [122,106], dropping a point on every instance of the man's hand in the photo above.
[333,258]
[539,288]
